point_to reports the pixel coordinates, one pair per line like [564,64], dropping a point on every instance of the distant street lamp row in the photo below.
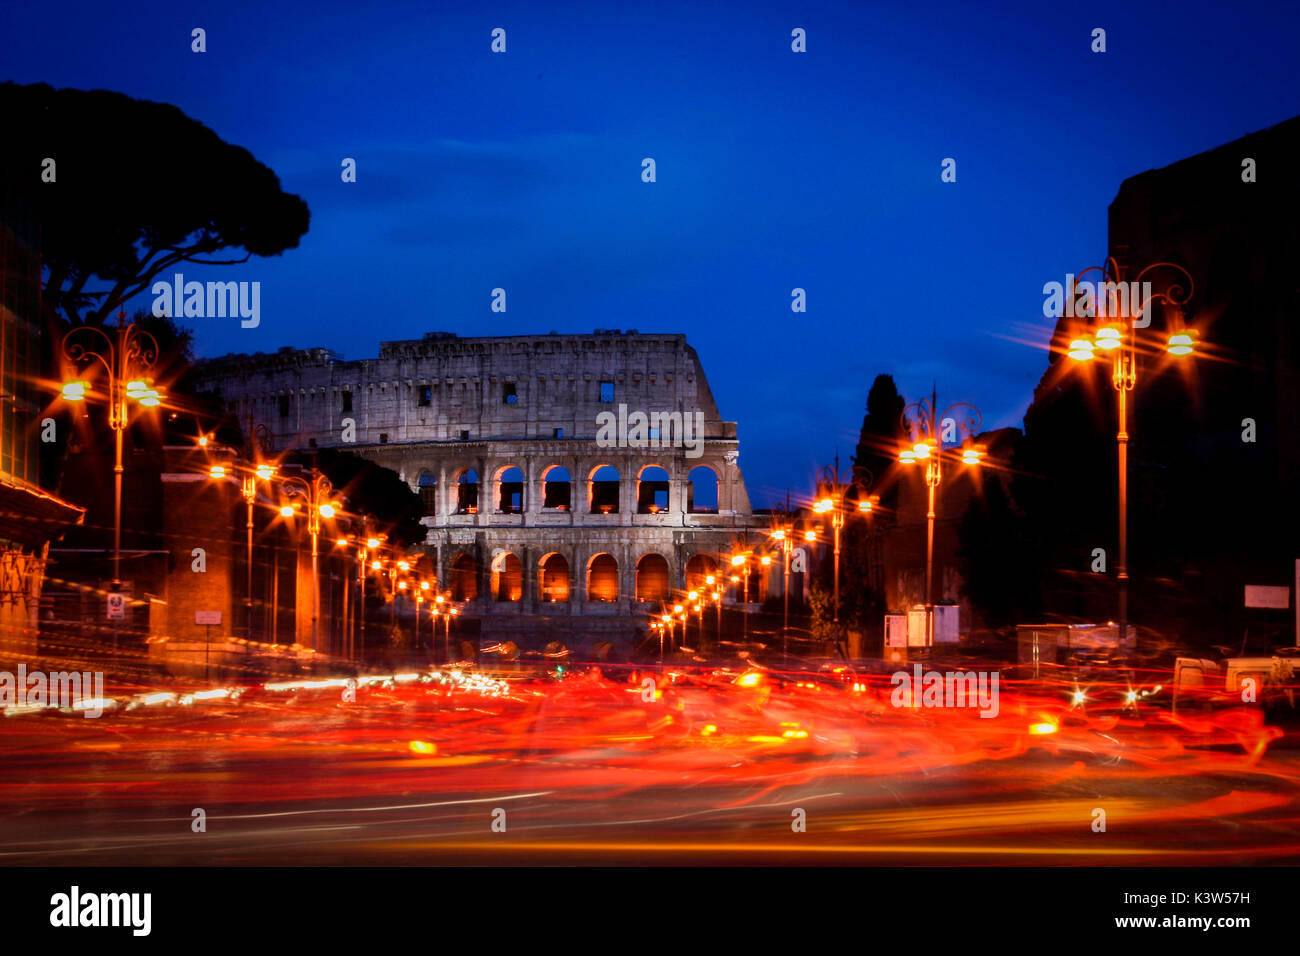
[318,502]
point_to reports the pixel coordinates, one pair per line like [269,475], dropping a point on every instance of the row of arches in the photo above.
[652,581]
[604,484]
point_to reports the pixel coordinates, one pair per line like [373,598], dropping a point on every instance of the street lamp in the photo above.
[835,502]
[127,356]
[1118,335]
[316,492]
[439,607]
[784,535]
[248,478]
[742,561]
[420,597]
[931,430]
[451,612]
[370,543]
[693,598]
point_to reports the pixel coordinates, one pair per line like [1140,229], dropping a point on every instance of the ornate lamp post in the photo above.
[248,478]
[960,421]
[783,534]
[693,599]
[835,489]
[420,596]
[127,356]
[443,606]
[715,592]
[678,613]
[451,612]
[742,561]
[316,492]
[372,543]
[1117,333]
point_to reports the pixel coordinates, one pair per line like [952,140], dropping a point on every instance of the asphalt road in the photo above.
[592,770]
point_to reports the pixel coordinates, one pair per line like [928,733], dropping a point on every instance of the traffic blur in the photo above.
[608,763]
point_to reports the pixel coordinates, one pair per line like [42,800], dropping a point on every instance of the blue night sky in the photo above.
[775,170]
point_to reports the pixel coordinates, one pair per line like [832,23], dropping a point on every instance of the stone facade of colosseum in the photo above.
[542,531]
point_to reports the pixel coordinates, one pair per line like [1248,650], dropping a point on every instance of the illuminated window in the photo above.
[555,579]
[652,580]
[602,579]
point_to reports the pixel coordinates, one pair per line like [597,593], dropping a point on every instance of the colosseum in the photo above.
[538,521]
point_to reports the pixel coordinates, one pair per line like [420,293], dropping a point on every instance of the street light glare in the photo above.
[1081,350]
[217,471]
[1181,343]
[372,542]
[1109,337]
[824,505]
[327,511]
[286,511]
[74,391]
[265,472]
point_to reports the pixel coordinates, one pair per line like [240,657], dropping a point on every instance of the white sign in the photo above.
[116,606]
[895,630]
[207,617]
[1259,595]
